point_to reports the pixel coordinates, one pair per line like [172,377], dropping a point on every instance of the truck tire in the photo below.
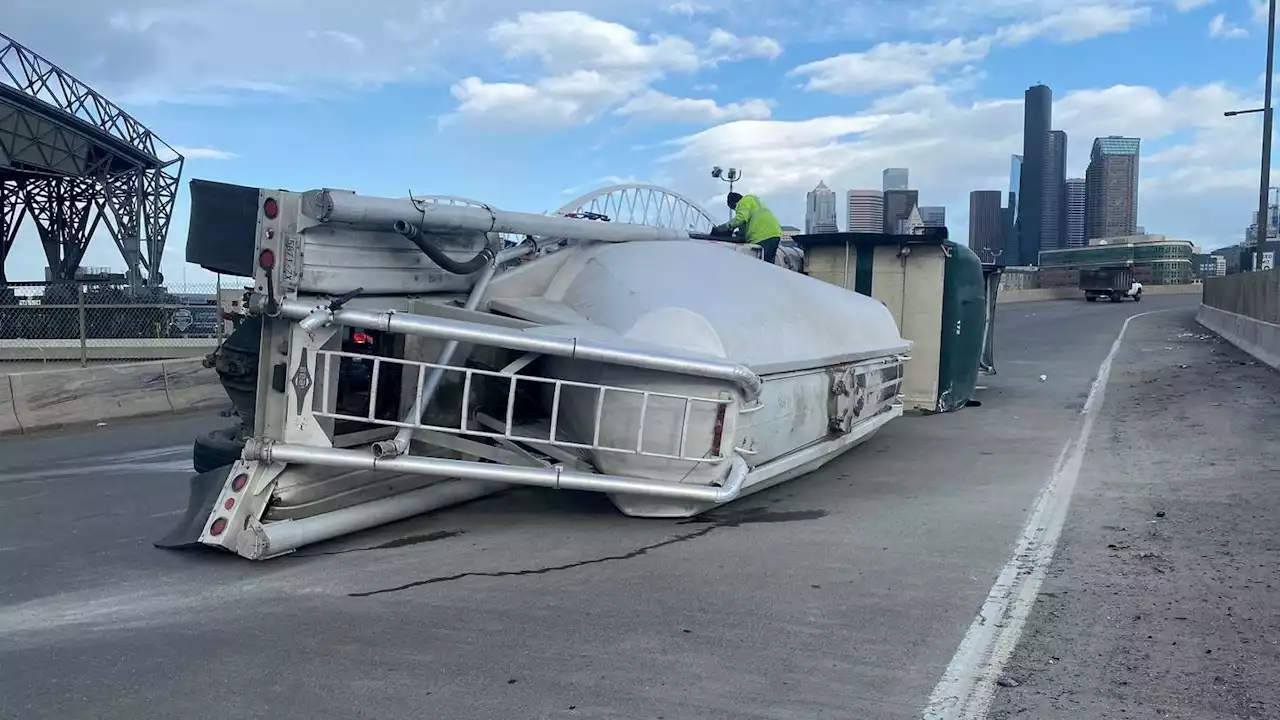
[217,449]
[1091,298]
[1137,298]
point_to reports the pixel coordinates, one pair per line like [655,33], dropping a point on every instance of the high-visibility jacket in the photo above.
[757,221]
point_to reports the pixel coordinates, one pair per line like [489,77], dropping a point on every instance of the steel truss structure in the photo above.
[650,205]
[73,161]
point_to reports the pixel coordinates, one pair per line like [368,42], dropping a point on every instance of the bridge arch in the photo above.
[640,204]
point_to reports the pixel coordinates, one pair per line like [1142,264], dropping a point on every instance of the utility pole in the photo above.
[1264,190]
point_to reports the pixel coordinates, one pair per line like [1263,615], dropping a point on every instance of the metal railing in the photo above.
[329,361]
[82,320]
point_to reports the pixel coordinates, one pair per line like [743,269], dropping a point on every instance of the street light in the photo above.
[1264,194]
[731,176]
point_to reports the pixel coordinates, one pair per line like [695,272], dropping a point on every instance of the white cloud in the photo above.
[596,65]
[686,8]
[558,101]
[660,106]
[567,41]
[890,65]
[199,153]
[1198,171]
[145,51]
[1258,11]
[1219,27]
[1189,5]
[724,45]
[1077,23]
[898,64]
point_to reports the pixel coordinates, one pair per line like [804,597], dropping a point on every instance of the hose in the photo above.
[438,256]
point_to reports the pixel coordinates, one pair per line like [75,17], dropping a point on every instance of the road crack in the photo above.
[747,517]
[548,569]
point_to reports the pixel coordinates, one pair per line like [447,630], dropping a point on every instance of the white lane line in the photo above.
[966,688]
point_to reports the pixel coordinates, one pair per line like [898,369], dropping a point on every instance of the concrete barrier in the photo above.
[32,401]
[1070,293]
[99,349]
[8,415]
[1259,338]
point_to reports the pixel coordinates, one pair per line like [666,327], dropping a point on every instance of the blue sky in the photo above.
[525,103]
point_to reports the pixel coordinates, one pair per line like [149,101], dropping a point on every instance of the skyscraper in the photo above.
[1037,120]
[896,179]
[866,211]
[820,215]
[1053,200]
[1111,188]
[933,215]
[898,205]
[986,223]
[1009,230]
[1075,213]
[910,224]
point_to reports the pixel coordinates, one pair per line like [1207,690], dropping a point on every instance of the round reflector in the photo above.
[230,503]
[218,526]
[267,259]
[239,483]
[270,208]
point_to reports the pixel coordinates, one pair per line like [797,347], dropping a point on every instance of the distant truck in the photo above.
[1116,283]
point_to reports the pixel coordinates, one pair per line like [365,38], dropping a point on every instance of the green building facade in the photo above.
[1167,261]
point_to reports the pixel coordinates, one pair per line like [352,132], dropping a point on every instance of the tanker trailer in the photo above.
[398,360]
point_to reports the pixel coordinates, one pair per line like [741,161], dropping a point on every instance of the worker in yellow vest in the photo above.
[756,223]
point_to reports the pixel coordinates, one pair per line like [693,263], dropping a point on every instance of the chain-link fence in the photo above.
[83,320]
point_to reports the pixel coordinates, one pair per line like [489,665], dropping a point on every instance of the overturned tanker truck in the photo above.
[397,358]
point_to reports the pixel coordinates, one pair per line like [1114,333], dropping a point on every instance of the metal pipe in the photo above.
[281,537]
[556,477]
[1263,192]
[572,348]
[384,213]
[427,391]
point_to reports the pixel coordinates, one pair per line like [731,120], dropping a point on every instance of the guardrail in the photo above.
[108,320]
[1245,310]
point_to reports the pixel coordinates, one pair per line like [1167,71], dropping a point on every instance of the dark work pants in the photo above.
[769,249]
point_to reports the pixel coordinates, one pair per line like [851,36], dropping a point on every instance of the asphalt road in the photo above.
[843,594]
[1163,600]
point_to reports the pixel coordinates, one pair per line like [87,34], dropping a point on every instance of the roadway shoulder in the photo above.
[1162,600]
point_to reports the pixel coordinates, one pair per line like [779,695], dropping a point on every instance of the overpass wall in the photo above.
[1245,310]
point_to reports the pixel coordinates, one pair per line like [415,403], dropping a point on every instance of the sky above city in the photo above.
[526,104]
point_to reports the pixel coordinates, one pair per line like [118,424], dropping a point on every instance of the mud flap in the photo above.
[205,489]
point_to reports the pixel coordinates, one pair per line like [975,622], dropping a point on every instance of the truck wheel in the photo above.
[1137,298]
[1091,298]
[1116,297]
[217,449]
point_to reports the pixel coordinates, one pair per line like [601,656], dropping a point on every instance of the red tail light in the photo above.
[362,338]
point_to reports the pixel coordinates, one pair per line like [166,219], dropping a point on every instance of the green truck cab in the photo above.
[941,295]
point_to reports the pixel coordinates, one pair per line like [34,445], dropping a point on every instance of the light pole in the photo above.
[731,176]
[1264,194]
